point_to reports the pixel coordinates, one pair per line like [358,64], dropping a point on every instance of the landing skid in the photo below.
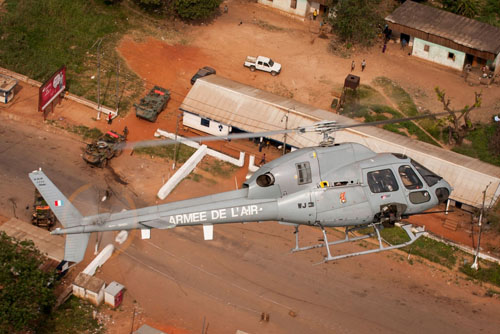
[413,233]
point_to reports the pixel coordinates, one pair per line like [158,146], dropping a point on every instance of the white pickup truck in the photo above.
[263,64]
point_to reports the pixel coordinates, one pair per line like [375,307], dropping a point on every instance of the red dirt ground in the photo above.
[310,74]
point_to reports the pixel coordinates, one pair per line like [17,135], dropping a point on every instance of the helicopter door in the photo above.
[383,187]
[413,187]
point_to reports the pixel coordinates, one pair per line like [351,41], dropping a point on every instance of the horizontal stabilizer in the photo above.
[76,244]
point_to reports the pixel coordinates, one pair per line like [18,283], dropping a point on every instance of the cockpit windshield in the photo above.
[429,177]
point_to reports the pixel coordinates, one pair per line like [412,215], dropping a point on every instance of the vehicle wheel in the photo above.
[104,163]
[273,73]
[252,68]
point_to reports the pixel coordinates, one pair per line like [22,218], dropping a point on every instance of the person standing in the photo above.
[384,47]
[315,13]
[363,65]
[353,65]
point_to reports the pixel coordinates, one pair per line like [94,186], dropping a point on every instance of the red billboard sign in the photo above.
[52,88]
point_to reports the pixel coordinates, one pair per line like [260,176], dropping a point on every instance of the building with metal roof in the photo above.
[223,105]
[446,38]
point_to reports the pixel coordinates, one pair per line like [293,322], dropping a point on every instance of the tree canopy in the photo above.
[356,22]
[25,293]
[196,9]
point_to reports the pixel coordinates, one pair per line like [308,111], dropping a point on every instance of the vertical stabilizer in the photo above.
[66,213]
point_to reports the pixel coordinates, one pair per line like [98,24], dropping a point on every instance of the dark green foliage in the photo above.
[487,11]
[86,132]
[38,37]
[489,273]
[196,9]
[25,293]
[74,316]
[467,8]
[356,22]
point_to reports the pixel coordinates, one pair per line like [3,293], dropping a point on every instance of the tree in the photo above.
[25,295]
[356,21]
[459,123]
[494,144]
[196,9]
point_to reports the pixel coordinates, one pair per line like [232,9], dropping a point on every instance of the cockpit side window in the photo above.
[304,175]
[409,178]
[429,177]
[382,181]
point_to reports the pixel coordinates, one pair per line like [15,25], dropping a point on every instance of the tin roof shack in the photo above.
[89,288]
[7,85]
[113,294]
[446,38]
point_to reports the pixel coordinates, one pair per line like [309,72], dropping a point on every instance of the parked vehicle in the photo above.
[263,64]
[202,72]
[42,214]
[152,104]
[109,145]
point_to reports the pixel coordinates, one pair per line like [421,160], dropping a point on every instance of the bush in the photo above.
[196,9]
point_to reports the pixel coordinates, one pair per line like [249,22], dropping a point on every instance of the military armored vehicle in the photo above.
[109,145]
[42,214]
[152,104]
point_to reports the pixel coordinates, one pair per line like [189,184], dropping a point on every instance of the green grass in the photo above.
[85,132]
[486,273]
[432,250]
[479,141]
[38,37]
[74,316]
[218,168]
[167,152]
[398,95]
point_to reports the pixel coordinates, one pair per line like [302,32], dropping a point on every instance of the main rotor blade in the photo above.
[151,143]
[390,121]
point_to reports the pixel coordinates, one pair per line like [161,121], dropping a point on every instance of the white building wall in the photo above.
[496,63]
[302,9]
[214,128]
[438,54]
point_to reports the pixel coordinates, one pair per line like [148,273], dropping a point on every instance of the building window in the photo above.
[293,4]
[304,172]
[451,56]
[426,47]
[205,122]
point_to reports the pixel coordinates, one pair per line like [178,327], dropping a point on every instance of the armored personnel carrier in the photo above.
[109,145]
[152,104]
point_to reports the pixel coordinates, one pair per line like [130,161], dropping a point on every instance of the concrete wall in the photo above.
[182,172]
[303,6]
[438,54]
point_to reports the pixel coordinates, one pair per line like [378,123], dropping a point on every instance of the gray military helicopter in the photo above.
[331,185]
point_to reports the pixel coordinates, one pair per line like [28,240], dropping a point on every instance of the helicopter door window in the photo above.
[429,177]
[409,178]
[304,175]
[382,181]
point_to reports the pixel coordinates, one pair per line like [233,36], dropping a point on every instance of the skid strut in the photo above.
[413,233]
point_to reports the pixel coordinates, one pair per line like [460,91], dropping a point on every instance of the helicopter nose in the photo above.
[443,192]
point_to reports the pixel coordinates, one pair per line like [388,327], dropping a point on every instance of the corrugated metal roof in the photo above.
[250,109]
[255,110]
[459,29]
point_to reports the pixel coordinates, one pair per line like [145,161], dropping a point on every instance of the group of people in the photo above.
[363,65]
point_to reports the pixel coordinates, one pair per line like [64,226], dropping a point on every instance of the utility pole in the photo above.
[176,143]
[286,128]
[117,84]
[475,264]
[99,79]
